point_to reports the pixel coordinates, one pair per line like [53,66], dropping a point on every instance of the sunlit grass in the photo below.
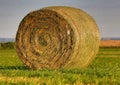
[104,70]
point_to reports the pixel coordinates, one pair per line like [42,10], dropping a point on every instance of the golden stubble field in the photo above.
[110,43]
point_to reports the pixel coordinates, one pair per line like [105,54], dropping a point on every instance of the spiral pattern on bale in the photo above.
[57,37]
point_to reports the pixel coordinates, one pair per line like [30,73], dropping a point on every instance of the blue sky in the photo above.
[105,12]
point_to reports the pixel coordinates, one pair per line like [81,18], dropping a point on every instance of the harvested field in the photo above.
[110,43]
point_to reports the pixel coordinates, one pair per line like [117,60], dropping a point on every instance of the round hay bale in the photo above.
[57,37]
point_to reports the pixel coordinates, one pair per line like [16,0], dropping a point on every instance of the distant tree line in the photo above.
[7,45]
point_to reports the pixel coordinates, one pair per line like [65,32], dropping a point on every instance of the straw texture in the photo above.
[57,37]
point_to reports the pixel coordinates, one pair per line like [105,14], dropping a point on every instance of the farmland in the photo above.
[103,70]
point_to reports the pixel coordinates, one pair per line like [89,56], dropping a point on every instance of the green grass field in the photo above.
[103,70]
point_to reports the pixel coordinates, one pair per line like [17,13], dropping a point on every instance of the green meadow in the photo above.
[103,70]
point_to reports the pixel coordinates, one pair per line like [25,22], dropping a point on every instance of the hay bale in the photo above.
[57,37]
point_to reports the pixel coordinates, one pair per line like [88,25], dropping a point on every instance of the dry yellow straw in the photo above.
[57,37]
